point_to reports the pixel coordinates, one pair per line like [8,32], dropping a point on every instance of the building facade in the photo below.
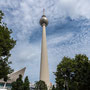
[12,77]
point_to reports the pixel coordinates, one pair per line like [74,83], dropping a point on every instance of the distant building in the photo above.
[32,86]
[12,77]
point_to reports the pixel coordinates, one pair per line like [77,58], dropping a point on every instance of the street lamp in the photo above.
[66,82]
[69,76]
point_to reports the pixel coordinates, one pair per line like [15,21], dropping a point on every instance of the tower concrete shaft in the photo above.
[44,70]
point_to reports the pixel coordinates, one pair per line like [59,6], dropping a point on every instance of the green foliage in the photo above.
[77,72]
[6,44]
[1,15]
[4,68]
[14,86]
[53,88]
[20,85]
[40,85]
[26,84]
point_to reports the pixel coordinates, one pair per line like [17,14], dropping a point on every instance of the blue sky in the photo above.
[68,32]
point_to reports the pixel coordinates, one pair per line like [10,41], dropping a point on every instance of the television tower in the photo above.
[44,70]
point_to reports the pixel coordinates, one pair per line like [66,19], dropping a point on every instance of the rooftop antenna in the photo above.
[43,11]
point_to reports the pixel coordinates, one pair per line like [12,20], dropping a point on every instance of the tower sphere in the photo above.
[43,20]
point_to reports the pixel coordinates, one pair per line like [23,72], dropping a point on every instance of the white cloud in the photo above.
[55,39]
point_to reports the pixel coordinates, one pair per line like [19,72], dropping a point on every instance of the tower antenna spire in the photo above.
[43,11]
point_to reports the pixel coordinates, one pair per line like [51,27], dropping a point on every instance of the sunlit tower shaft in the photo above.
[44,70]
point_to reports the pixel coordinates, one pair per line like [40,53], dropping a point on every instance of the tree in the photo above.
[6,44]
[26,84]
[40,85]
[53,88]
[18,84]
[73,74]
[14,86]
[82,72]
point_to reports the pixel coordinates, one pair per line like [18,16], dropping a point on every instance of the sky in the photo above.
[68,32]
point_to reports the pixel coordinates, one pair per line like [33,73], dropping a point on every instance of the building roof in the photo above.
[13,76]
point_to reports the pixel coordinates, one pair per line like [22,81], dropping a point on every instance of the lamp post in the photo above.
[66,82]
[66,77]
